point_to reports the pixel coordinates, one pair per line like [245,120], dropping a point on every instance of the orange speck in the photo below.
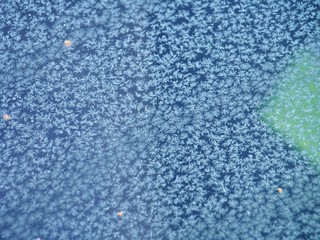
[119,214]
[6,117]
[280,190]
[67,43]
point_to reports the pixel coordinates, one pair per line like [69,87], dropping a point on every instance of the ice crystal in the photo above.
[153,111]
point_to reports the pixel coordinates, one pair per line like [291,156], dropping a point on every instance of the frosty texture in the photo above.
[295,111]
[153,111]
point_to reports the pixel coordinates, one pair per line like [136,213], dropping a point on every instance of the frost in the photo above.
[153,111]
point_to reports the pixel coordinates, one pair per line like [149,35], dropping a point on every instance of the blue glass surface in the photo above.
[147,123]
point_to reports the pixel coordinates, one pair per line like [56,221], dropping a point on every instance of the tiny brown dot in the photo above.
[67,43]
[119,214]
[280,190]
[6,117]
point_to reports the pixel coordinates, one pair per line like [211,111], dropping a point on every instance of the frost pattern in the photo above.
[153,111]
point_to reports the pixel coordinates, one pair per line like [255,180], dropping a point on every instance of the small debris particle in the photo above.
[67,43]
[6,117]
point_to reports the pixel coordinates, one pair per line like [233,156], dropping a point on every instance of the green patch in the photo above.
[295,110]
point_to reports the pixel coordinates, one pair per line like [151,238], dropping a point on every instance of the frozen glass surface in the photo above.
[148,119]
[294,111]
